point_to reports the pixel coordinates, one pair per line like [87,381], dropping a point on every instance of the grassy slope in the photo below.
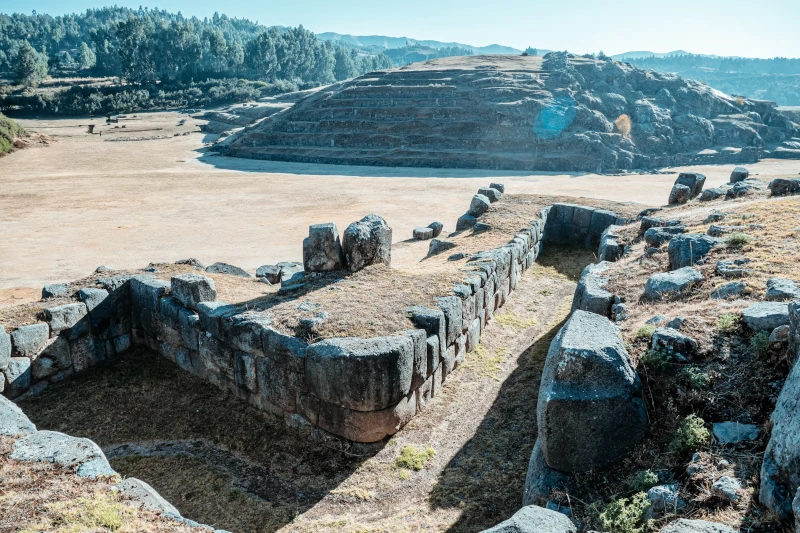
[9,130]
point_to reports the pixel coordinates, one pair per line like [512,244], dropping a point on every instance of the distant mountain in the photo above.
[389,43]
[643,54]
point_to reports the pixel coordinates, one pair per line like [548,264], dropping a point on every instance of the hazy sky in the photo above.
[764,28]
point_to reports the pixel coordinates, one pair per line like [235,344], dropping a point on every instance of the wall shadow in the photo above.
[218,460]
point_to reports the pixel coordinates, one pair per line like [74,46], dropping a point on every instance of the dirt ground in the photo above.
[84,201]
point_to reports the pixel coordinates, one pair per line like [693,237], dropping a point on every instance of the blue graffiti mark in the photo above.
[555,118]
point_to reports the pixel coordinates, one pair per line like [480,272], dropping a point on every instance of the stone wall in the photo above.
[579,224]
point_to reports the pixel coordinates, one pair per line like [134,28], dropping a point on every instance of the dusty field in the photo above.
[83,202]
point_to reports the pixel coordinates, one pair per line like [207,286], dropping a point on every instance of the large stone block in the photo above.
[322,250]
[686,250]
[212,313]
[366,427]
[479,205]
[541,480]
[12,420]
[590,412]
[147,291]
[18,376]
[671,284]
[361,374]
[244,331]
[693,180]
[433,321]
[287,351]
[28,341]
[766,316]
[533,519]
[367,242]
[277,385]
[420,339]
[5,348]
[65,316]
[83,455]
[452,308]
[590,294]
[191,289]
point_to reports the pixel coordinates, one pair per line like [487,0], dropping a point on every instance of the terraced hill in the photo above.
[519,113]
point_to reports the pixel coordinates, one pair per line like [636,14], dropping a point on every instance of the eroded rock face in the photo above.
[590,412]
[367,242]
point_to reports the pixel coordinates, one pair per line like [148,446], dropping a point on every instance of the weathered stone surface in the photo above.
[465,221]
[648,222]
[733,289]
[733,268]
[65,316]
[680,194]
[361,374]
[28,341]
[290,271]
[499,186]
[673,342]
[367,242]
[734,432]
[717,230]
[146,496]
[534,519]
[437,228]
[686,250]
[42,368]
[434,323]
[54,290]
[147,291]
[478,206]
[12,420]
[372,426]
[422,234]
[783,186]
[712,193]
[611,248]
[83,455]
[728,488]
[192,261]
[57,349]
[671,284]
[780,335]
[452,308]
[590,412]
[742,188]
[438,246]
[225,268]
[5,348]
[590,294]
[779,289]
[696,526]
[739,174]
[693,180]
[766,316]
[322,250]
[272,273]
[665,499]
[492,194]
[211,314]
[541,479]
[191,289]
[656,237]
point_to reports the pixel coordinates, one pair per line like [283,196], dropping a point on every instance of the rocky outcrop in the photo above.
[576,224]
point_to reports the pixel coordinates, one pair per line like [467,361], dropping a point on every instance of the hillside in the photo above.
[560,112]
[9,130]
[388,43]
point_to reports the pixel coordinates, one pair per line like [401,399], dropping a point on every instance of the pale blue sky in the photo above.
[766,28]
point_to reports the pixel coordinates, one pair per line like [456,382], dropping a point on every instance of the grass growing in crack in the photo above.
[691,434]
[413,458]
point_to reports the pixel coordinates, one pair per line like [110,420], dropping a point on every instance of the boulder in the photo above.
[673,343]
[728,488]
[656,237]
[712,193]
[82,455]
[766,316]
[422,234]
[611,248]
[534,519]
[648,222]
[739,174]
[54,290]
[291,271]
[64,316]
[717,230]
[225,268]
[780,336]
[146,496]
[271,273]
[28,341]
[479,205]
[590,295]
[780,289]
[733,268]
[192,262]
[686,250]
[5,349]
[671,284]
[693,180]
[733,289]
[192,289]
[680,194]
[465,221]
[665,499]
[437,228]
[92,297]
[438,246]
[367,242]
[361,374]
[590,412]
[13,421]
[696,526]
[541,480]
[499,186]
[784,186]
[744,188]
[322,250]
[147,291]
[492,194]
[734,432]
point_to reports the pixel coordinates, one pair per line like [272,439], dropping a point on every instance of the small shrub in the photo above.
[413,458]
[696,377]
[727,323]
[623,124]
[645,332]
[737,240]
[691,434]
[626,515]
[759,344]
[642,480]
[655,360]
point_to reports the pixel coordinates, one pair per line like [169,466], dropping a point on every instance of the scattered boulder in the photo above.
[680,194]
[322,250]
[479,205]
[744,188]
[92,297]
[291,272]
[54,290]
[465,222]
[766,316]
[697,526]
[673,343]
[734,432]
[717,230]
[499,186]
[492,194]
[225,268]
[422,234]
[18,376]
[590,412]
[671,284]
[29,340]
[534,519]
[656,237]
[712,193]
[714,217]
[13,421]
[784,186]
[590,295]
[437,228]
[648,222]
[196,263]
[83,455]
[665,499]
[686,250]
[693,180]
[733,268]
[779,289]
[733,289]
[271,273]
[728,488]
[367,242]
[191,289]
[739,174]
[457,257]
[438,246]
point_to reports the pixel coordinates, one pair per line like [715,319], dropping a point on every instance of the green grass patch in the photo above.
[727,323]
[759,344]
[9,130]
[642,481]
[656,361]
[737,240]
[696,377]
[645,332]
[413,458]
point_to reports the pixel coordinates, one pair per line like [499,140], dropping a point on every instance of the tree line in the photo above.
[148,45]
